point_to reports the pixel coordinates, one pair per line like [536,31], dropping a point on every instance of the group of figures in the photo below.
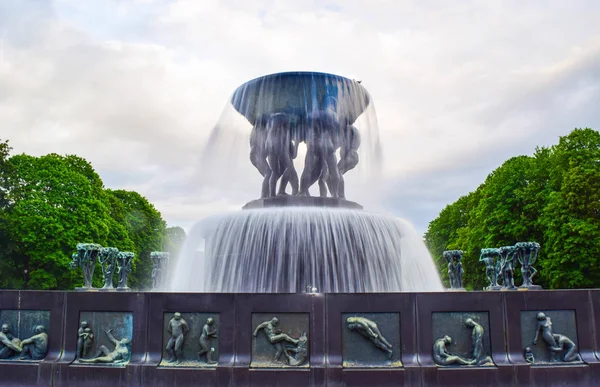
[159,271]
[443,357]
[274,142]
[178,328]
[294,350]
[500,265]
[89,254]
[85,338]
[560,347]
[32,348]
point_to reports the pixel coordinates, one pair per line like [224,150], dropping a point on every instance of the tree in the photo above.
[175,238]
[572,214]
[55,202]
[552,197]
[10,273]
[146,230]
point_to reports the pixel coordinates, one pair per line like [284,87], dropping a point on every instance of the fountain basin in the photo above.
[289,249]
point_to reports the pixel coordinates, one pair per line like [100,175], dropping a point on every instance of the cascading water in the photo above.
[284,243]
[293,249]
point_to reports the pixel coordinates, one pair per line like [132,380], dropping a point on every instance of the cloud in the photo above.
[137,87]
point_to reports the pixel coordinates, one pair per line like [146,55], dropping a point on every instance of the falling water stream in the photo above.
[290,250]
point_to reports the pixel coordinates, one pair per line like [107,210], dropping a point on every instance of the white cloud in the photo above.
[136,87]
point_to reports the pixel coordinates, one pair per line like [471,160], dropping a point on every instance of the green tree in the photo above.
[145,228]
[175,238]
[505,214]
[572,215]
[552,197]
[10,276]
[54,203]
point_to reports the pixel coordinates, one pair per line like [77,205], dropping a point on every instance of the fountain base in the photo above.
[301,201]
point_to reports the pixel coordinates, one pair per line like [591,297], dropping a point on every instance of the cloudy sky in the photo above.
[136,87]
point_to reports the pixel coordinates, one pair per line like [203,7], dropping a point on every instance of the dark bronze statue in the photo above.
[556,343]
[35,347]
[86,258]
[528,355]
[527,253]
[124,262]
[258,153]
[370,331]
[108,259]
[297,355]
[441,356]
[350,142]
[566,345]
[321,111]
[320,161]
[479,356]
[507,267]
[492,266]
[120,354]
[281,151]
[9,345]
[85,339]
[275,337]
[207,334]
[455,268]
[177,328]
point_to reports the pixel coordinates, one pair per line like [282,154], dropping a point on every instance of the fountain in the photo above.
[288,241]
[282,292]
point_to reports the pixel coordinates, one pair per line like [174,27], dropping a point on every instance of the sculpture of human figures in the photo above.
[177,328]
[258,153]
[544,325]
[86,259]
[370,330]
[477,341]
[124,261]
[207,334]
[441,355]
[277,339]
[297,355]
[350,142]
[527,254]
[108,259]
[556,343]
[507,254]
[159,271]
[120,354]
[35,347]
[9,345]
[455,268]
[452,277]
[528,355]
[492,266]
[281,151]
[320,151]
[563,343]
[85,339]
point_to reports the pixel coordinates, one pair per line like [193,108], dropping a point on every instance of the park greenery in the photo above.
[551,197]
[50,203]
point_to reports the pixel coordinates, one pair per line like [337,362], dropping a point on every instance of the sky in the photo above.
[135,87]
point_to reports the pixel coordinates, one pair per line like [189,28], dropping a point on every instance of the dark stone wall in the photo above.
[410,322]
